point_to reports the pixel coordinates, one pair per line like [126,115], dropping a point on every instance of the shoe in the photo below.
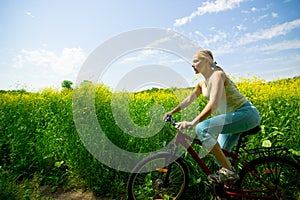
[223,175]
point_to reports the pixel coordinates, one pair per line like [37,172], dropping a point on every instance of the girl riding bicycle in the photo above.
[235,113]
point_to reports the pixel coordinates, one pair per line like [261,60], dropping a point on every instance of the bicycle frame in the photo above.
[181,139]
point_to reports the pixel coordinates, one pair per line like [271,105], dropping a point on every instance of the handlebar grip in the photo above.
[170,119]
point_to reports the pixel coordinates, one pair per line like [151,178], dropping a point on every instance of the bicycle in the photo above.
[273,175]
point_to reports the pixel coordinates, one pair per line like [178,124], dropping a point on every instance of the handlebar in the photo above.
[176,125]
[170,119]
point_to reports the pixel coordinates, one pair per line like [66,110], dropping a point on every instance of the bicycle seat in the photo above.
[252,131]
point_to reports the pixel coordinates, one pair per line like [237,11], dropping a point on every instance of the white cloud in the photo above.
[245,11]
[253,9]
[216,37]
[274,15]
[209,7]
[241,27]
[30,14]
[39,57]
[285,45]
[260,18]
[69,60]
[270,33]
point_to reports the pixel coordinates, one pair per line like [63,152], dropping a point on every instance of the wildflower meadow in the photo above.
[40,146]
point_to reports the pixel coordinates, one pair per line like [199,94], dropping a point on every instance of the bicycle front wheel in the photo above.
[163,183]
[278,178]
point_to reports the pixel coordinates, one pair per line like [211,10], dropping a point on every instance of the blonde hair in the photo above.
[207,54]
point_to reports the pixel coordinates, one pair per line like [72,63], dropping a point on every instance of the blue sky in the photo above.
[43,43]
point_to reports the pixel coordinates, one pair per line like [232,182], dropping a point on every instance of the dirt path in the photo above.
[60,194]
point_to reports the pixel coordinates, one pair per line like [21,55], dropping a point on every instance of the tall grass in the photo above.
[39,143]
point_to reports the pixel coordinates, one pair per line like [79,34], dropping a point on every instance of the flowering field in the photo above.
[39,143]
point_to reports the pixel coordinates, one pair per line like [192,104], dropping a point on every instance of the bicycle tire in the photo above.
[282,174]
[149,185]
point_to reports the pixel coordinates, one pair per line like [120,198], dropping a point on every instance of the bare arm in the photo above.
[187,101]
[217,89]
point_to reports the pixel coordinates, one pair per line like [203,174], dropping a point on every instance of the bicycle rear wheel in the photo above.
[281,175]
[163,183]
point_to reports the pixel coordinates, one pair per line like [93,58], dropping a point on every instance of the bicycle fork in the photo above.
[166,171]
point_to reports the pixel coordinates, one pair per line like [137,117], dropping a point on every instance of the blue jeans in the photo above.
[226,128]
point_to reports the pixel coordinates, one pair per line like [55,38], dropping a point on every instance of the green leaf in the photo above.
[295,152]
[266,143]
[58,164]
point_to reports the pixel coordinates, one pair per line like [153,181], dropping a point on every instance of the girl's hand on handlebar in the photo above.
[185,125]
[166,115]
